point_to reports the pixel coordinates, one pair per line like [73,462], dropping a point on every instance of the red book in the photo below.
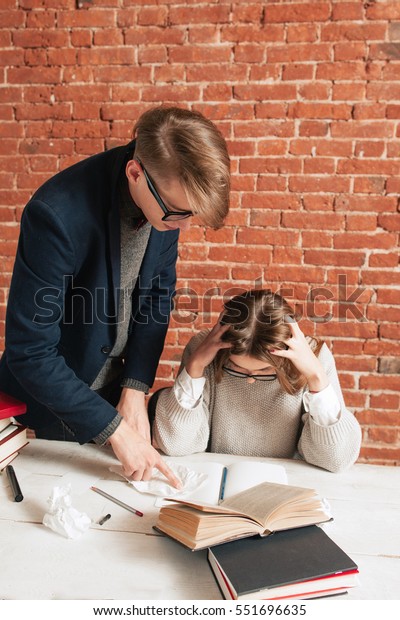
[10,407]
[8,460]
[12,439]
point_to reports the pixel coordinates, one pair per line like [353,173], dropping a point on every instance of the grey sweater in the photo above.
[134,237]
[259,419]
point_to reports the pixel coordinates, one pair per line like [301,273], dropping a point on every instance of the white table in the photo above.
[126,559]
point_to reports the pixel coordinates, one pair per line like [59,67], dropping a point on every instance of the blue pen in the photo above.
[223,482]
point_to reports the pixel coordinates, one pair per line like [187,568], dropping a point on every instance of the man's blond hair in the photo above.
[176,143]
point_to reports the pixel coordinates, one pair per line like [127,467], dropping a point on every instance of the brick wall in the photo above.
[308,97]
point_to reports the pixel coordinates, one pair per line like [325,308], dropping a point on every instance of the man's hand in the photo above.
[132,408]
[137,456]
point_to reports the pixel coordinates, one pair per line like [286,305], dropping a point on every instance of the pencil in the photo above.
[118,502]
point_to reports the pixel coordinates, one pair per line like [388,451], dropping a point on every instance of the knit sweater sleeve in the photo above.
[179,431]
[333,447]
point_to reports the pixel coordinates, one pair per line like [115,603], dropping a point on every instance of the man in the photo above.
[94,277]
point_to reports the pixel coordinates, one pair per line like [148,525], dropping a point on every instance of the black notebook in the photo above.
[299,563]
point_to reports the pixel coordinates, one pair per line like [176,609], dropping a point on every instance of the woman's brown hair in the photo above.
[177,143]
[258,324]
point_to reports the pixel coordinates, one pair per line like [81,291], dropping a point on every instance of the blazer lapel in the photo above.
[115,253]
[114,226]
[150,260]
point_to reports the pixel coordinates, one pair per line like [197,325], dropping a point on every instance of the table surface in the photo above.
[126,559]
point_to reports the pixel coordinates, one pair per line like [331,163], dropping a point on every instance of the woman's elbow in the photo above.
[343,461]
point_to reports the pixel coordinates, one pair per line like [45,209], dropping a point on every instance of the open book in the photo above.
[224,481]
[262,509]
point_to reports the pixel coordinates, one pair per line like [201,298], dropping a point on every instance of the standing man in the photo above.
[94,277]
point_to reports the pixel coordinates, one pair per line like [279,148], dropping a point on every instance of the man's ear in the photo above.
[133,171]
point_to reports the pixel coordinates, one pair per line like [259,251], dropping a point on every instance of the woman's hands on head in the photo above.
[302,356]
[207,350]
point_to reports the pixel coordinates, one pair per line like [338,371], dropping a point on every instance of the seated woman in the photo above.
[256,386]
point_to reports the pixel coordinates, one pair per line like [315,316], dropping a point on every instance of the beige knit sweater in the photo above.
[258,419]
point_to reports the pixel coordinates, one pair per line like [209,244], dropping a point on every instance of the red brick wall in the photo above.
[308,97]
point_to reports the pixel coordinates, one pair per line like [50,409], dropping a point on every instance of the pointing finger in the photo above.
[164,469]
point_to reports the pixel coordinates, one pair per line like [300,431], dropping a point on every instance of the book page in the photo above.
[260,501]
[207,493]
[243,475]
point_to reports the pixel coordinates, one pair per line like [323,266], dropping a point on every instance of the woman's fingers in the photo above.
[280,352]
[290,343]
[293,325]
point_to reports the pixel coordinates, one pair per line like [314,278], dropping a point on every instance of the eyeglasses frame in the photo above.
[244,375]
[178,215]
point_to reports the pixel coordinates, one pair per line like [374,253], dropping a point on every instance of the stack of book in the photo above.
[299,563]
[12,435]
[264,542]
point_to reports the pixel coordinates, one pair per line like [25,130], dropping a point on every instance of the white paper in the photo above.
[62,518]
[202,480]
[243,475]
[159,486]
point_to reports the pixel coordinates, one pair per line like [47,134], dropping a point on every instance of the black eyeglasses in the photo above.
[244,375]
[169,215]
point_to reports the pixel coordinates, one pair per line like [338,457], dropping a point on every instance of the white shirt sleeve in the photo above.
[323,406]
[187,390]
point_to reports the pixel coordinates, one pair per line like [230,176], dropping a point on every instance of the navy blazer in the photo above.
[64,296]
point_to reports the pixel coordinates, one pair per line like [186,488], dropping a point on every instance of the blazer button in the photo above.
[106,349]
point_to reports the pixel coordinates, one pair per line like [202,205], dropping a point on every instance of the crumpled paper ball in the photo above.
[62,517]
